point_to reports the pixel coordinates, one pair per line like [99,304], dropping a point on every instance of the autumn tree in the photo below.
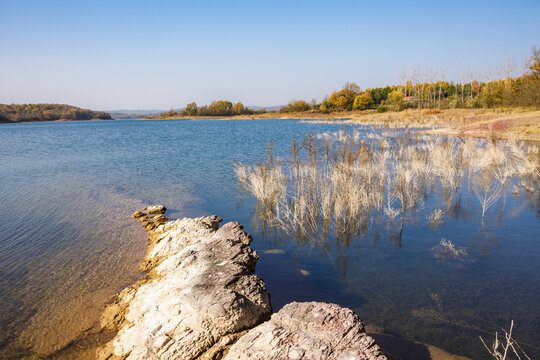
[342,100]
[220,108]
[396,99]
[362,101]
[191,109]
[239,109]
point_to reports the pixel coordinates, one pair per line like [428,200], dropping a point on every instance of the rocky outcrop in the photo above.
[200,294]
[201,300]
[308,331]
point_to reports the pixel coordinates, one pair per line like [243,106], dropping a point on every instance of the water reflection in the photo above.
[365,217]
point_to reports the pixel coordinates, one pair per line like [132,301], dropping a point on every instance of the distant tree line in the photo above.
[216,108]
[47,112]
[418,90]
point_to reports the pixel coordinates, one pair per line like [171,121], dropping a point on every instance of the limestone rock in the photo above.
[308,331]
[198,298]
[156,209]
[138,214]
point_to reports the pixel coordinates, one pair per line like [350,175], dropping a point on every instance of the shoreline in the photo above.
[167,239]
[509,124]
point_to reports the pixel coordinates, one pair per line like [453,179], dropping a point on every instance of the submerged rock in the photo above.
[308,331]
[304,272]
[156,209]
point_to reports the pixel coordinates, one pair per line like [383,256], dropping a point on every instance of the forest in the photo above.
[47,112]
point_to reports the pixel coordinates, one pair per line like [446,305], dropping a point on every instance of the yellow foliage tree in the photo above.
[342,100]
[395,98]
[362,101]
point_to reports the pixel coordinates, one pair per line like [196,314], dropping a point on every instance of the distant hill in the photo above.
[267,108]
[134,114]
[16,113]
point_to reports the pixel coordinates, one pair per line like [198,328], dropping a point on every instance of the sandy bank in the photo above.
[526,129]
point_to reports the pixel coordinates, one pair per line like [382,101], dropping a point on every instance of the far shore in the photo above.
[53,121]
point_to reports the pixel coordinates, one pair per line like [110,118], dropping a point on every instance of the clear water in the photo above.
[67,243]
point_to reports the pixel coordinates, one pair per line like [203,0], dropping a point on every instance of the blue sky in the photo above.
[163,54]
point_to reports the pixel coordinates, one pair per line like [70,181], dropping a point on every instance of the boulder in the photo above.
[156,209]
[308,331]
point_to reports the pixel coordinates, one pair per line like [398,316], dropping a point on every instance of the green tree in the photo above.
[239,108]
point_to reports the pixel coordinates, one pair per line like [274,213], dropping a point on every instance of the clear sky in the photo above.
[156,54]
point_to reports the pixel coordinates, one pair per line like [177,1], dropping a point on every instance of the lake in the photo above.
[68,244]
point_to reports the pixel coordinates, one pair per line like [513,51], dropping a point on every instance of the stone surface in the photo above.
[308,331]
[156,209]
[200,294]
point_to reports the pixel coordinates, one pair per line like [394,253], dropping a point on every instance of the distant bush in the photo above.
[382,108]
[295,106]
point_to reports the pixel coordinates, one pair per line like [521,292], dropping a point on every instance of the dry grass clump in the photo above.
[266,181]
[346,181]
[435,217]
[449,249]
[430,112]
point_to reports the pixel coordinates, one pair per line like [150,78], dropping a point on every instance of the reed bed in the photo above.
[343,182]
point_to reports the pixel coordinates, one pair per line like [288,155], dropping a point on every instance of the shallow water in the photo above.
[68,244]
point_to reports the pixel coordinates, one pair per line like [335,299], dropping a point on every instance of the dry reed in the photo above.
[342,180]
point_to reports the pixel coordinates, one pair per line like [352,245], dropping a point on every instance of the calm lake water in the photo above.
[67,242]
